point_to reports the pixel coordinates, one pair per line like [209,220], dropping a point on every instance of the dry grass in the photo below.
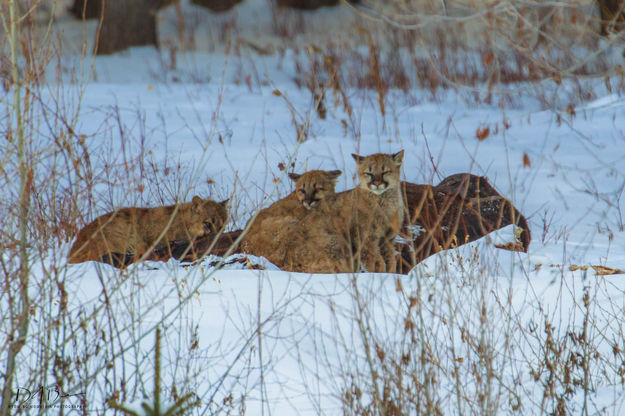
[439,347]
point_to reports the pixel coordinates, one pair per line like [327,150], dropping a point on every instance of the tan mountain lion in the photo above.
[352,230]
[264,234]
[125,235]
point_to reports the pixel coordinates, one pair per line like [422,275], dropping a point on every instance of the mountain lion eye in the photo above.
[369,174]
[386,172]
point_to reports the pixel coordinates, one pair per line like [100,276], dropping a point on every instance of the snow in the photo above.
[259,135]
[288,343]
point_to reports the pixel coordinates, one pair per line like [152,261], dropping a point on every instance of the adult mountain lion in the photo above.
[352,230]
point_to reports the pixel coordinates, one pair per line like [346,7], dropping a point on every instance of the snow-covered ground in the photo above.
[473,330]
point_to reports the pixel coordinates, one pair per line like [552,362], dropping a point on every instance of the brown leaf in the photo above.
[281,166]
[570,109]
[608,86]
[29,181]
[276,93]
[482,133]
[526,161]
[253,266]
[380,352]
[574,267]
[603,270]
[488,58]
[512,246]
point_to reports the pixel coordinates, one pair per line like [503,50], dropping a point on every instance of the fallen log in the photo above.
[217,245]
[460,209]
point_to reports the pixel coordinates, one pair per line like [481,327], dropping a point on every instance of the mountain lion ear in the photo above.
[196,204]
[334,174]
[398,157]
[294,176]
[225,202]
[357,158]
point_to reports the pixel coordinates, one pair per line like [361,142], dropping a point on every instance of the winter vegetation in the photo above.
[223,99]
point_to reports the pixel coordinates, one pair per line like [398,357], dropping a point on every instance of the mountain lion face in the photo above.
[379,172]
[311,187]
[207,215]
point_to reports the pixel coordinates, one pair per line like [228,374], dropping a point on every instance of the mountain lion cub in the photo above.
[264,237]
[126,234]
[354,229]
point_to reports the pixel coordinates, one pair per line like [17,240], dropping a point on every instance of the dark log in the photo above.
[183,251]
[310,4]
[92,9]
[180,249]
[86,9]
[218,6]
[460,209]
[127,23]
[612,14]
[307,4]
[119,260]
